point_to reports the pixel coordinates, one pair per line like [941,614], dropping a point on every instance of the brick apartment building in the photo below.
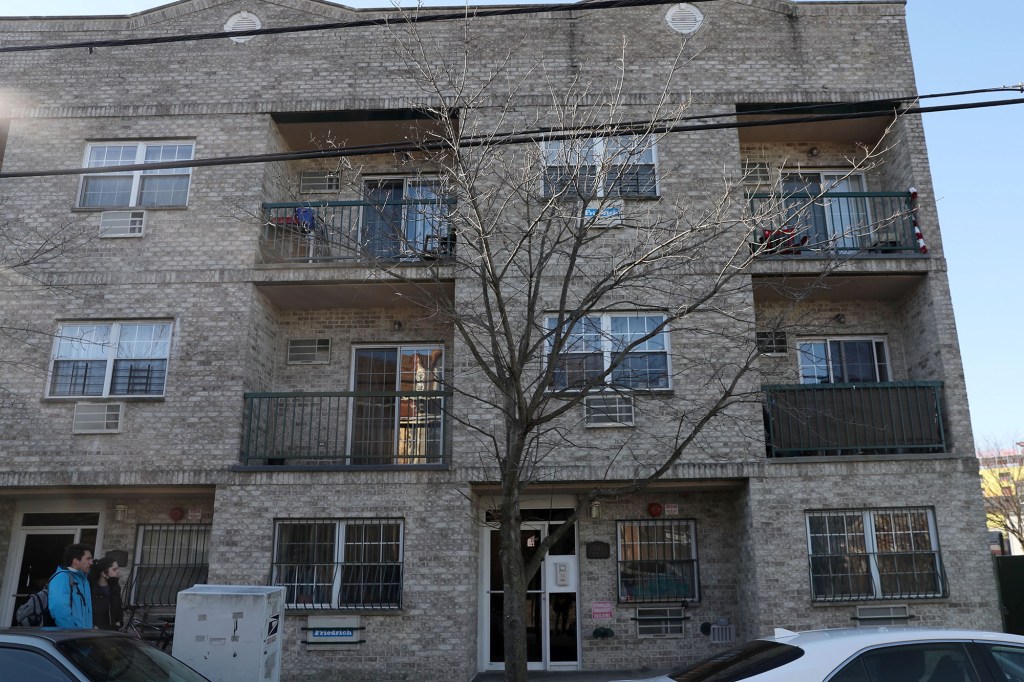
[236,380]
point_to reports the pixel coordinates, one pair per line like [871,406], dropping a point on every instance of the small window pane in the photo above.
[100,191]
[78,377]
[170,190]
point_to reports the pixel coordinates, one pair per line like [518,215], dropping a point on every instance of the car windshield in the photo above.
[739,663]
[122,659]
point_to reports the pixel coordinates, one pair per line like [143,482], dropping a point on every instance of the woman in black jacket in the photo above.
[107,609]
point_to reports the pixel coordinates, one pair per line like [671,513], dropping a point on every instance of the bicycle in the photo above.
[160,635]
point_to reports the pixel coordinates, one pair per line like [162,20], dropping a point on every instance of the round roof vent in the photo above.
[243,21]
[684,18]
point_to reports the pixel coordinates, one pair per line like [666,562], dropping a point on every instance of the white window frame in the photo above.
[336,565]
[872,552]
[607,349]
[74,335]
[597,153]
[880,362]
[136,176]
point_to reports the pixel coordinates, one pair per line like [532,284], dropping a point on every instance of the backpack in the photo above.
[36,611]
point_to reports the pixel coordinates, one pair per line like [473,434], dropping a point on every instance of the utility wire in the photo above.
[500,139]
[399,20]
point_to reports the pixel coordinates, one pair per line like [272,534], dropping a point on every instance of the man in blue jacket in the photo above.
[69,598]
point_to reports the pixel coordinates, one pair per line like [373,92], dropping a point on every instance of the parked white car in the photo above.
[866,654]
[55,655]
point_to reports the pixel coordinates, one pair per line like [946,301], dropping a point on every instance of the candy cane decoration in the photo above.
[921,246]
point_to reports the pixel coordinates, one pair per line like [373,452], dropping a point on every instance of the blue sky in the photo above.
[975,155]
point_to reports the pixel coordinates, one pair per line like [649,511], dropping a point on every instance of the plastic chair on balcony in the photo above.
[782,241]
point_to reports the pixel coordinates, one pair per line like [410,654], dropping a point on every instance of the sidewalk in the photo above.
[575,676]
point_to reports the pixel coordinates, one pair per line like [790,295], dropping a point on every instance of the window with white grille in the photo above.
[771,343]
[594,346]
[110,359]
[585,168]
[309,351]
[157,187]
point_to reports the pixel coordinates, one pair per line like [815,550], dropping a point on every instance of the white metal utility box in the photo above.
[231,632]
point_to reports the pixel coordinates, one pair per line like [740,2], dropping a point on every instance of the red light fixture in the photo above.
[655,509]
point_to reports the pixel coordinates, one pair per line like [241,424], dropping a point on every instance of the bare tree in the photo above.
[1002,481]
[547,216]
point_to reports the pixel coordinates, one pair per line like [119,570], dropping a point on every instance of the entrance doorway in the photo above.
[37,547]
[552,626]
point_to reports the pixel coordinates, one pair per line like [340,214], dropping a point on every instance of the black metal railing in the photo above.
[877,575]
[326,231]
[848,419]
[344,428]
[838,223]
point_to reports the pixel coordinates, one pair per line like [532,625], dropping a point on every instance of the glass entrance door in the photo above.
[552,632]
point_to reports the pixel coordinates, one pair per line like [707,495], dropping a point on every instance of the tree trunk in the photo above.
[512,569]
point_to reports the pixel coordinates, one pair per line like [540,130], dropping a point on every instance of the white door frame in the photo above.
[483,649]
[19,534]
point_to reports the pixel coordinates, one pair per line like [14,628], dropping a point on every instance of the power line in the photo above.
[500,139]
[399,20]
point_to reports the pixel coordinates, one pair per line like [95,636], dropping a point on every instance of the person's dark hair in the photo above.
[98,567]
[75,551]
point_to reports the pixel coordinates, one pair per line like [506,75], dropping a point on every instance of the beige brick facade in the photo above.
[205,269]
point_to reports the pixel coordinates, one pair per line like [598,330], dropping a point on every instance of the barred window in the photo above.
[168,558]
[858,554]
[110,358]
[339,563]
[657,560]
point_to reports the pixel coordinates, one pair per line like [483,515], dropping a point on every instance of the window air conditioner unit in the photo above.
[97,418]
[608,410]
[122,223]
[898,614]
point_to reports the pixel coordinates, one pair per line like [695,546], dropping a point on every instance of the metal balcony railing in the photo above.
[850,419]
[326,231]
[834,223]
[344,428]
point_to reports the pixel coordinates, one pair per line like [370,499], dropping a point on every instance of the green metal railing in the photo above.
[803,223]
[345,428]
[848,419]
[325,231]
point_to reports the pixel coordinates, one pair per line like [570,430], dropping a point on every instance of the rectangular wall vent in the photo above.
[723,634]
[608,410]
[122,223]
[897,614]
[309,351]
[318,181]
[660,622]
[97,418]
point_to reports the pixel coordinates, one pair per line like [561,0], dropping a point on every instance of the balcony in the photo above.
[411,230]
[833,224]
[854,419]
[348,429]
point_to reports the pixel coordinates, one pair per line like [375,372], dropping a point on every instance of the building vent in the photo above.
[684,18]
[898,614]
[660,622]
[757,174]
[724,633]
[243,21]
[309,351]
[608,410]
[97,418]
[122,223]
[317,181]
